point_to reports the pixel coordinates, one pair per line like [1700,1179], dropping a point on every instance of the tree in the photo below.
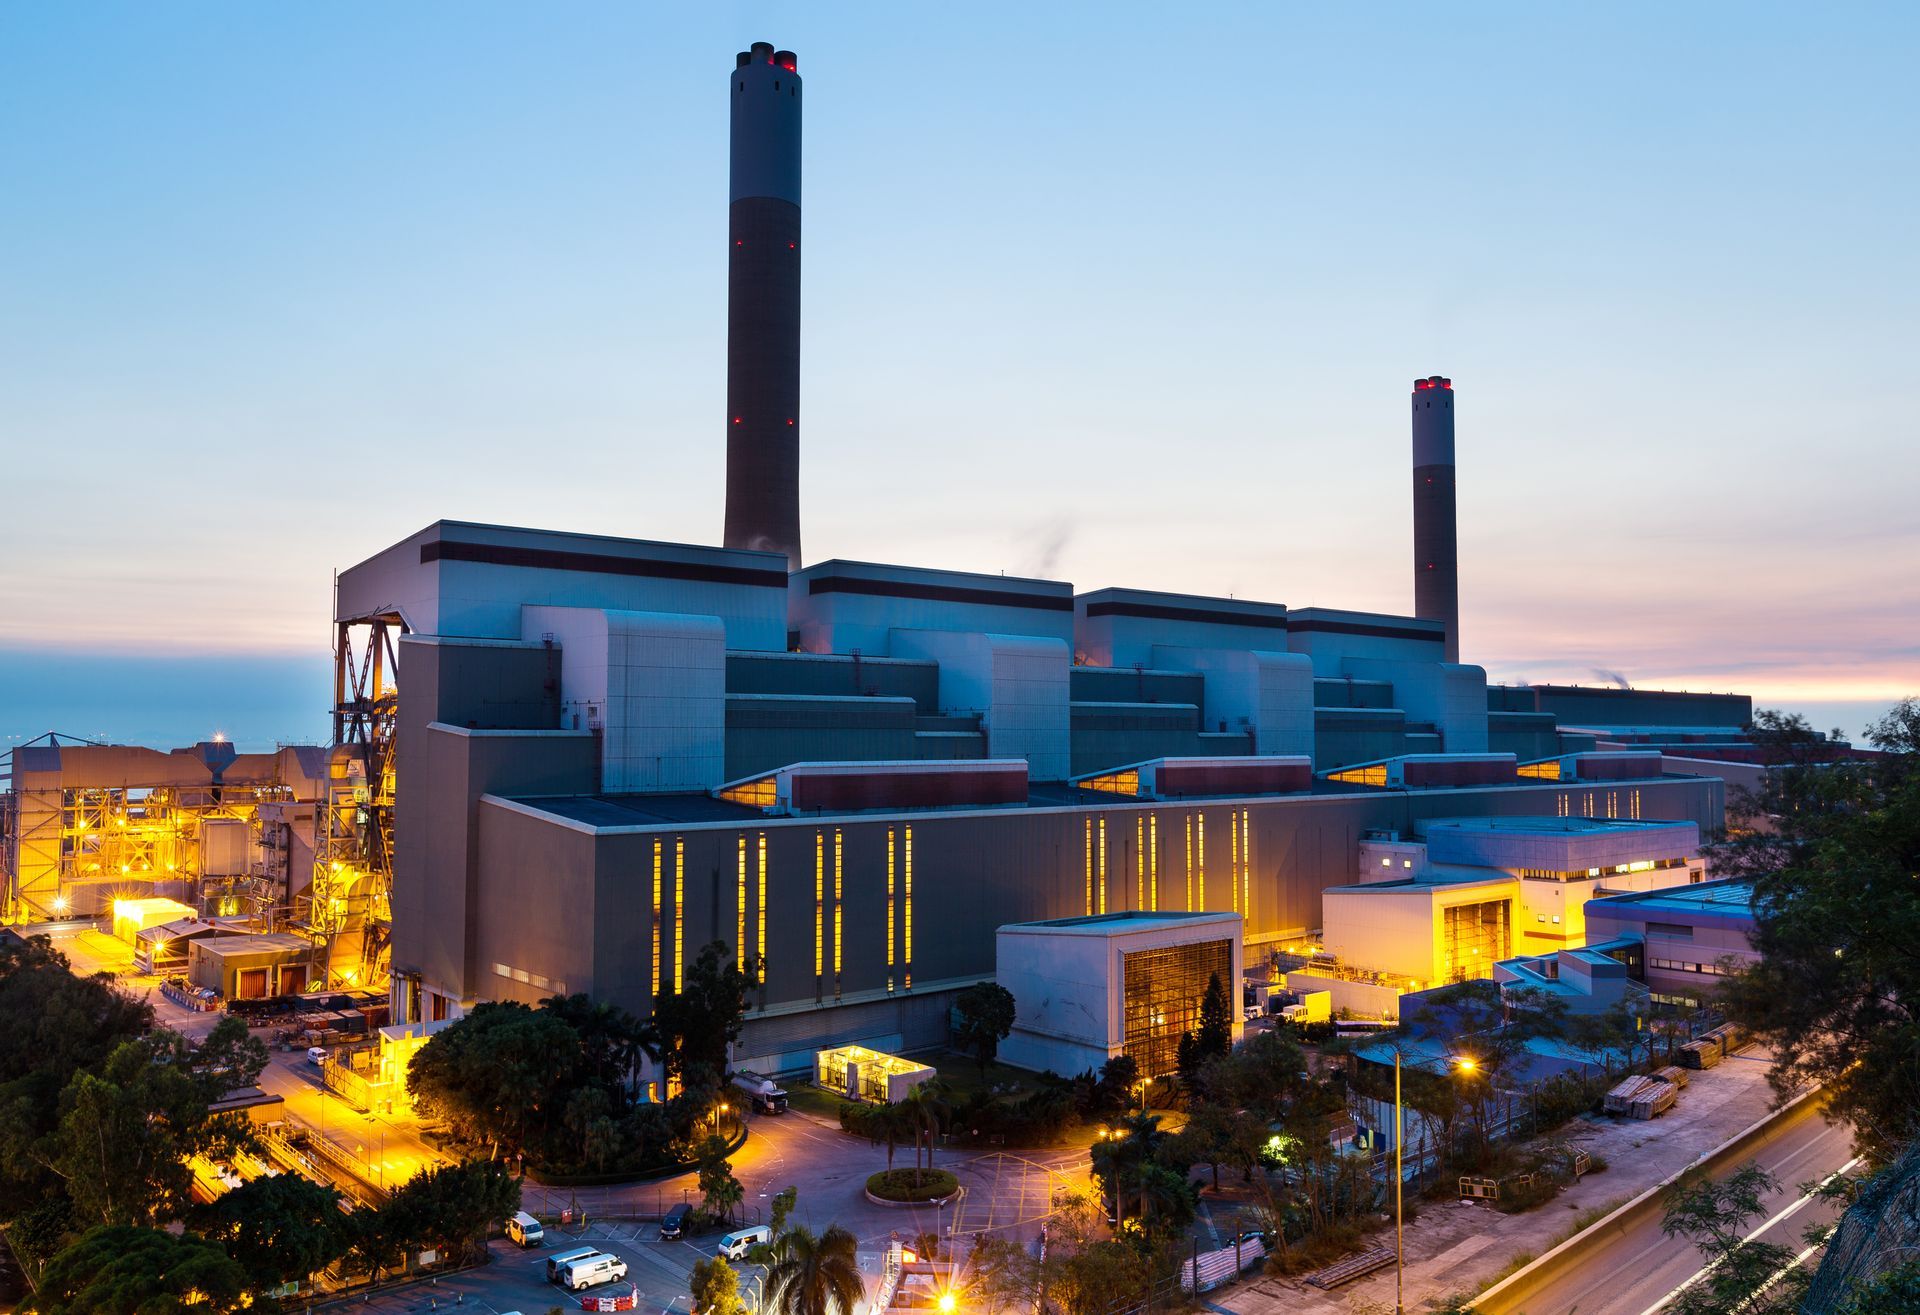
[53,1023]
[720,1191]
[1214,1037]
[882,1125]
[500,1076]
[1003,1273]
[280,1229]
[716,1288]
[447,1209]
[1832,851]
[1740,1273]
[780,1209]
[693,1027]
[928,1112]
[122,1270]
[815,1275]
[982,1018]
[126,1131]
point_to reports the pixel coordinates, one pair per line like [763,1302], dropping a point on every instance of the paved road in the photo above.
[1639,1273]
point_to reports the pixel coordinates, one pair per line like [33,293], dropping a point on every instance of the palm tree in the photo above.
[815,1275]
[927,1108]
[885,1125]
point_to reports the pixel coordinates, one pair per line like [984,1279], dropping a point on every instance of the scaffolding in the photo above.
[348,910]
[83,823]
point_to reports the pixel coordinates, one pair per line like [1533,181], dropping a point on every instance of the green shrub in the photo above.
[898,1185]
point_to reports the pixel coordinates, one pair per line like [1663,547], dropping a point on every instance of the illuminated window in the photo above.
[1473,937]
[1153,861]
[819,907]
[1246,863]
[1636,805]
[1127,782]
[1386,862]
[838,890]
[1100,887]
[890,931]
[1089,854]
[1233,862]
[761,792]
[1375,775]
[760,912]
[740,905]
[1161,991]
[679,914]
[1200,872]
[1543,771]
[906,874]
[656,918]
[1406,862]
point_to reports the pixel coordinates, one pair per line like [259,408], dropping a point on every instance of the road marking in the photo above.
[1784,1213]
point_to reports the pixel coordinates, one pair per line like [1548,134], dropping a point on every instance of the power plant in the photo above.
[607,753]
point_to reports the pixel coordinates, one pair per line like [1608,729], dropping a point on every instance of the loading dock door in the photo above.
[252,983]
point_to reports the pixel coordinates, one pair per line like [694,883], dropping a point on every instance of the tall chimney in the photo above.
[763,305]
[1436,574]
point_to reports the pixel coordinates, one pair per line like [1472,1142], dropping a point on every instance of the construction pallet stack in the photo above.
[1707,1052]
[1674,1074]
[1730,1036]
[1641,1097]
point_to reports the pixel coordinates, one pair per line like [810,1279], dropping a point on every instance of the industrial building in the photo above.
[608,752]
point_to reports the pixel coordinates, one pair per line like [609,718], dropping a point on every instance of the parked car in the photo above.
[742,1240]
[317,1056]
[675,1224]
[525,1229]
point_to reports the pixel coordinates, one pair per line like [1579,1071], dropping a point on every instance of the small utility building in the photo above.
[1087,989]
[250,967]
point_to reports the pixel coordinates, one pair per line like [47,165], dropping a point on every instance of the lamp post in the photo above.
[1466,1064]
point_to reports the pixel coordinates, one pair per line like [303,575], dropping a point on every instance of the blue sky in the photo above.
[1130,294]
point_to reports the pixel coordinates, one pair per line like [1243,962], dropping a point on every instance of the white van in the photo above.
[525,1229]
[554,1262]
[741,1240]
[590,1270]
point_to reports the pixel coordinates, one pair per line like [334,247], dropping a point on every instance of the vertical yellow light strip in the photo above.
[740,907]
[819,906]
[1089,853]
[1139,862]
[1246,863]
[838,925]
[656,918]
[1191,906]
[1233,862]
[1153,862]
[1202,869]
[907,877]
[1101,887]
[760,912]
[890,935]
[679,914]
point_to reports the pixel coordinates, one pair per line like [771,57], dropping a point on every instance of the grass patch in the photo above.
[963,1077]
[898,1185]
[811,1100]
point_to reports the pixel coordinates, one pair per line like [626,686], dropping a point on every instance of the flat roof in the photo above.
[1723,897]
[1113,924]
[1548,825]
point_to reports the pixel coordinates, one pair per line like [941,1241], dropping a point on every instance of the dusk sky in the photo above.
[1119,294]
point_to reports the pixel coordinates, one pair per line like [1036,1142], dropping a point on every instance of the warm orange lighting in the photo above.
[1466,1063]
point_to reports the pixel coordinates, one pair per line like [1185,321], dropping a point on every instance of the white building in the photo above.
[1086,989]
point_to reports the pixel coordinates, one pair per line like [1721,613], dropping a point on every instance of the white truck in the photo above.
[766,1094]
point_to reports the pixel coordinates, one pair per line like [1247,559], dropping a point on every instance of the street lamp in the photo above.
[947,1302]
[1466,1064]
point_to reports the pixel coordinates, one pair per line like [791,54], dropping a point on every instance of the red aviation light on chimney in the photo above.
[1432,381]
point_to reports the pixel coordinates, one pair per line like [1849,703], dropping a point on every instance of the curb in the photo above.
[1517,1286]
[948,1199]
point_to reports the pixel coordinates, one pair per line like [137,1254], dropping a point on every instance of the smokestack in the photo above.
[1436,575]
[763,305]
